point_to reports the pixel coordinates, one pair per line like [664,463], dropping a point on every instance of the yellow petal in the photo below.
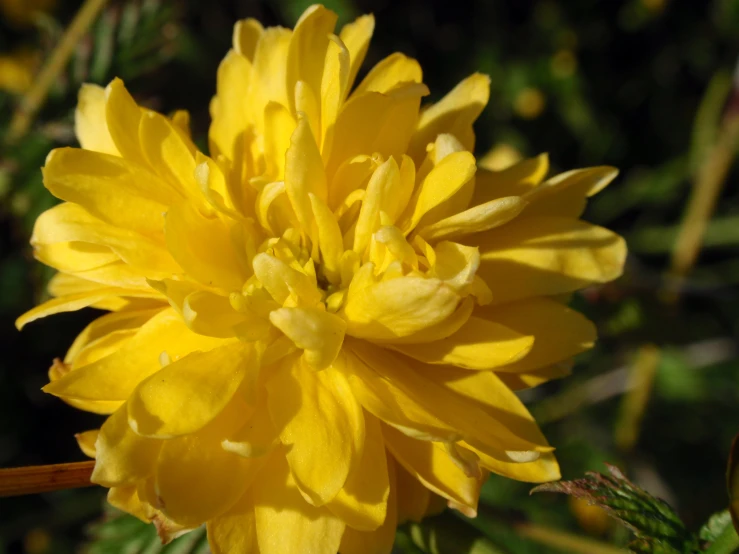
[542,470]
[380,540]
[333,84]
[431,465]
[363,502]
[186,395]
[453,114]
[519,381]
[566,195]
[356,36]
[379,197]
[204,248]
[321,425]
[230,107]
[486,392]
[74,257]
[389,403]
[70,223]
[475,220]
[122,457]
[376,122]
[516,180]
[279,126]
[541,256]
[270,66]
[215,479]
[86,441]
[281,280]
[479,344]
[74,302]
[114,377]
[398,308]
[110,188]
[319,333]
[235,530]
[449,175]
[330,239]
[304,173]
[169,154]
[126,499]
[413,497]
[89,120]
[246,35]
[105,325]
[103,346]
[438,393]
[559,332]
[397,68]
[285,521]
[123,116]
[307,53]
[257,437]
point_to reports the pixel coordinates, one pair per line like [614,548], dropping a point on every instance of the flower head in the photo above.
[316,331]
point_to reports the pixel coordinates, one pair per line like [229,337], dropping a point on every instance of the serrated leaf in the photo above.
[656,526]
[120,533]
[715,526]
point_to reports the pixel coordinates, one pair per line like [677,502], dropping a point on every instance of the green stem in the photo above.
[726,543]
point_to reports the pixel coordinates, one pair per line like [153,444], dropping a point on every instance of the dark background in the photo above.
[640,84]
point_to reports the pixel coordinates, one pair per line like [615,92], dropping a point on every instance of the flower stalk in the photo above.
[18,481]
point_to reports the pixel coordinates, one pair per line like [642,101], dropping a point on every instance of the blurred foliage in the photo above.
[640,84]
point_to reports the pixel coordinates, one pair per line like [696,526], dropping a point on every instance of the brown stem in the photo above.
[34,479]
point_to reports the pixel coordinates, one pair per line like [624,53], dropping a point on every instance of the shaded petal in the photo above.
[114,377]
[445,179]
[304,173]
[566,194]
[307,53]
[215,479]
[204,248]
[186,395]
[541,470]
[234,531]
[380,540]
[484,391]
[453,114]
[321,425]
[475,220]
[229,109]
[478,423]
[74,302]
[431,465]
[479,344]
[540,256]
[398,308]
[319,333]
[364,501]
[376,122]
[122,457]
[559,332]
[516,180]
[397,68]
[110,188]
[285,521]
[413,497]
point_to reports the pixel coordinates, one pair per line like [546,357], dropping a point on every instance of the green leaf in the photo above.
[120,533]
[657,528]
[715,526]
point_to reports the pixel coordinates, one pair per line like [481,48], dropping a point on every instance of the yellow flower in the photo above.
[316,331]
[16,71]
